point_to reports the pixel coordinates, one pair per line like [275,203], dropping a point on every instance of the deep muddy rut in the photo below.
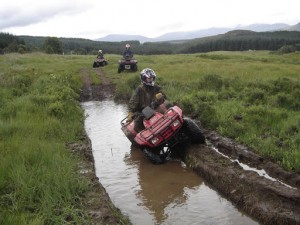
[263,190]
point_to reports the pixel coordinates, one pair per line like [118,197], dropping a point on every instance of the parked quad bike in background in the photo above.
[99,62]
[127,63]
[165,129]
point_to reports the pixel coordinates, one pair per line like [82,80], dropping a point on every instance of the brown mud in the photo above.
[267,201]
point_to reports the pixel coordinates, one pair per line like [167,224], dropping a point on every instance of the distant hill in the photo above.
[123,37]
[264,27]
[234,40]
[294,27]
[173,36]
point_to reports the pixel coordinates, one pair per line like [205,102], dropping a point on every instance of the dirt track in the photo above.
[270,202]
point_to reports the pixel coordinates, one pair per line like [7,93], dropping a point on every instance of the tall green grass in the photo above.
[253,97]
[39,115]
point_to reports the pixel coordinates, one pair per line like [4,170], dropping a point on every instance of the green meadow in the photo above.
[39,115]
[252,97]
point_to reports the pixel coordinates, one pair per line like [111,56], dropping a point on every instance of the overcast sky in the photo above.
[151,18]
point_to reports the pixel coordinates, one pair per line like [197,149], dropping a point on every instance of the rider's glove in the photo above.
[158,96]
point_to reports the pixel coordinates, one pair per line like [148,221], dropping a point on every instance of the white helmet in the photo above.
[127,46]
[100,51]
[148,73]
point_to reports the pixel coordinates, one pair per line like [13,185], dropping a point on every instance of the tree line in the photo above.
[238,40]
[11,43]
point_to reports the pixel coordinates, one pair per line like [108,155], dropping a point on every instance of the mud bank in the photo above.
[268,201]
[97,203]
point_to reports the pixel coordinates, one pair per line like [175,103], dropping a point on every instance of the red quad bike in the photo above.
[165,128]
[99,62]
[127,63]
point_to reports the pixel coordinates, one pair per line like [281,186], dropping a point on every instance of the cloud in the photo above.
[97,18]
[31,12]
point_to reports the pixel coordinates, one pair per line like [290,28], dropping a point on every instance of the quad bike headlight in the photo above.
[155,140]
[176,123]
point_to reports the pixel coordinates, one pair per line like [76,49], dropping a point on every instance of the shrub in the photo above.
[284,100]
[254,96]
[187,103]
[286,49]
[283,85]
[211,82]
[207,114]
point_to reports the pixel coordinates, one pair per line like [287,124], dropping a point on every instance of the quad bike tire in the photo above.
[153,157]
[120,69]
[135,68]
[95,65]
[193,131]
[104,63]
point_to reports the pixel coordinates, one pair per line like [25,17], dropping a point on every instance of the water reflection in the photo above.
[162,185]
[147,193]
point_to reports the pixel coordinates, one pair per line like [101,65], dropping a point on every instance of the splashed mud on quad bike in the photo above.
[99,62]
[165,129]
[127,63]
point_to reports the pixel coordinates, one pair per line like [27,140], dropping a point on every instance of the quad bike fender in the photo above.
[177,110]
[128,129]
[128,62]
[148,123]
[167,113]
[160,128]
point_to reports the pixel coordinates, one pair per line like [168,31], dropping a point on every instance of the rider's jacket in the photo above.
[143,96]
[100,56]
[127,53]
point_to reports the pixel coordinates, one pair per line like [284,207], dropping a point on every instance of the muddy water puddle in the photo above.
[150,194]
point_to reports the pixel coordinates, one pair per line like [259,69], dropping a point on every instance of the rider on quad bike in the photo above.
[100,61]
[127,52]
[127,62]
[144,95]
[154,124]
[100,54]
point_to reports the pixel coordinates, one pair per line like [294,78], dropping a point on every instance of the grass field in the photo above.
[39,115]
[253,97]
